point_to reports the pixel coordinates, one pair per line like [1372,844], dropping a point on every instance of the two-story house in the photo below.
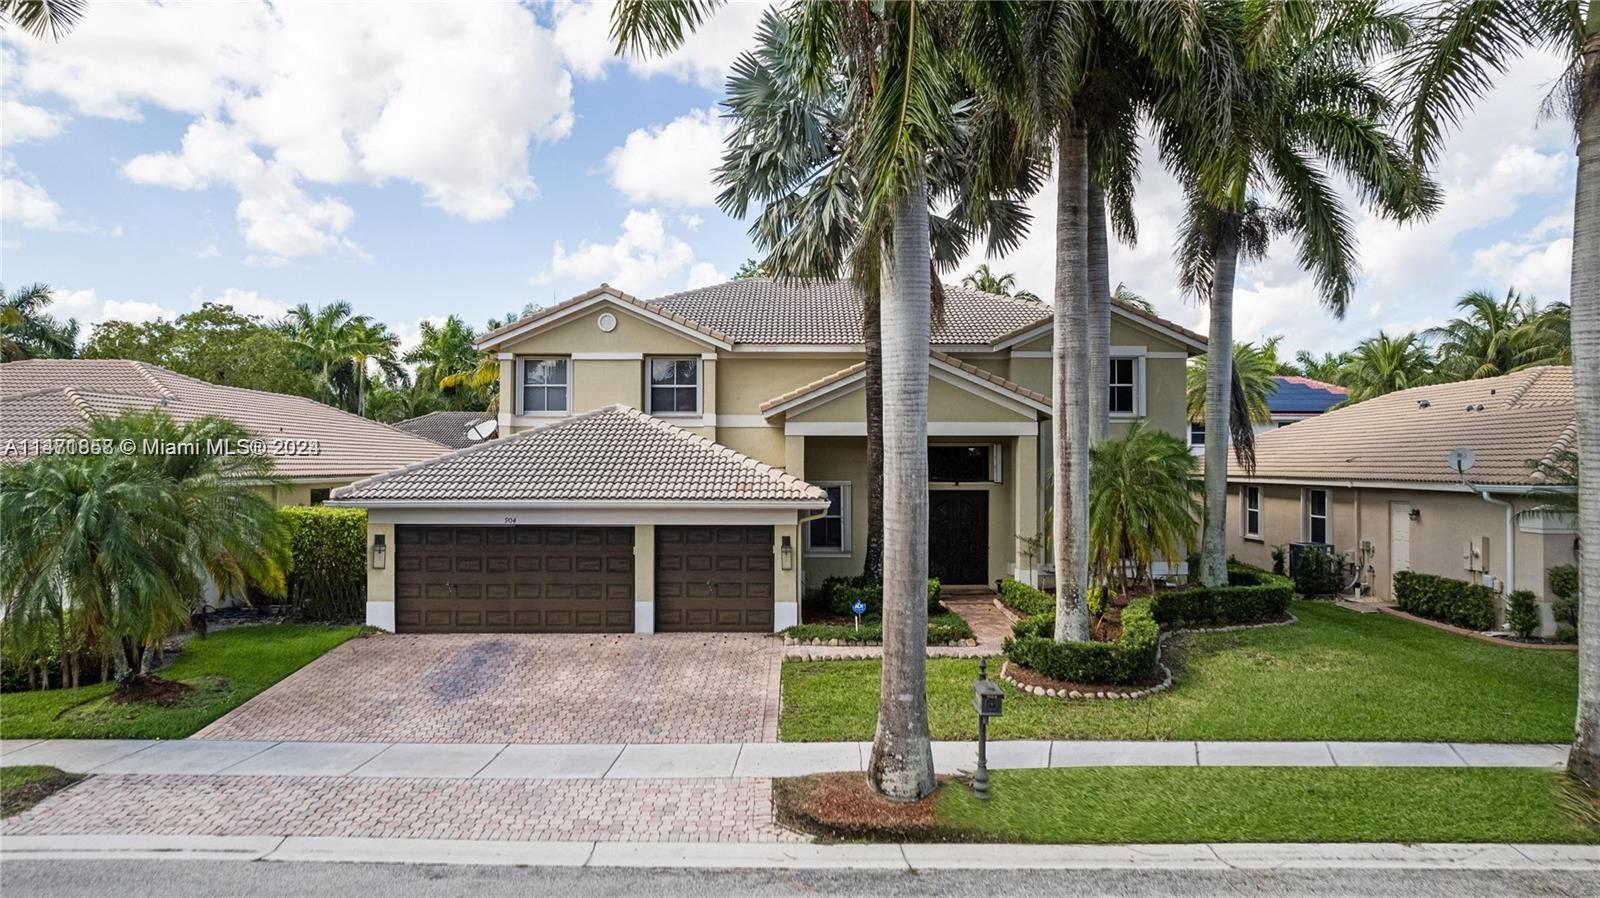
[695,461]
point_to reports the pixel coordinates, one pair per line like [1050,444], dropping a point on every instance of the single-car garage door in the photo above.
[513,579]
[714,578]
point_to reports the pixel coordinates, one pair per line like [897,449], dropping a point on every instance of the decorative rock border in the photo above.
[850,643]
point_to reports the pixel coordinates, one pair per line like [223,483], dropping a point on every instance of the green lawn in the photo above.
[1335,675]
[23,787]
[226,668]
[1260,804]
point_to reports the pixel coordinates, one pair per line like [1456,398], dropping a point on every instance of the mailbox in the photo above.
[987,698]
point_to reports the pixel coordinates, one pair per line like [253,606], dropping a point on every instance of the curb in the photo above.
[788,856]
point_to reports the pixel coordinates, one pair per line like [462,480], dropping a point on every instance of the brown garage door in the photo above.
[513,579]
[714,578]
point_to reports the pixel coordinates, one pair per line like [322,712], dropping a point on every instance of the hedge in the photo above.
[1319,572]
[841,594]
[1563,581]
[1522,614]
[1444,599]
[328,574]
[943,628]
[1024,599]
[1131,659]
[1252,595]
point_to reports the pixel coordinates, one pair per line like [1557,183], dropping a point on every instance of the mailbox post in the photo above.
[987,699]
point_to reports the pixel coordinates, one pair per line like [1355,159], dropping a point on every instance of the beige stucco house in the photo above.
[760,386]
[1375,480]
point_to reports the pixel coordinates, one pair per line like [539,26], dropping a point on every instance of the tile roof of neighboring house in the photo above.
[41,397]
[1506,422]
[823,383]
[762,311]
[1295,395]
[612,454]
[445,428]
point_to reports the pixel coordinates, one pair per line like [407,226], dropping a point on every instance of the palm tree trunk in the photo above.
[361,386]
[901,766]
[1584,761]
[1219,404]
[1099,317]
[1069,405]
[872,336]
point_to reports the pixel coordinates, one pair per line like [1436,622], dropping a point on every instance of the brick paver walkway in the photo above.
[524,688]
[989,624]
[667,810]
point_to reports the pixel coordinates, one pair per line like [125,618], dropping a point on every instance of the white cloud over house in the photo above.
[645,260]
[671,163]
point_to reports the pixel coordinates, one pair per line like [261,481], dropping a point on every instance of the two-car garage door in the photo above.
[579,579]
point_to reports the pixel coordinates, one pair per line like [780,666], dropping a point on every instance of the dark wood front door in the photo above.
[513,579]
[958,536]
[714,578]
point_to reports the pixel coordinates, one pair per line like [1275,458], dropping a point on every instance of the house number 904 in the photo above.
[511,519]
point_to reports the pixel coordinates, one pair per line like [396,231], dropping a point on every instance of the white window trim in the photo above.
[572,373]
[699,386]
[1140,394]
[844,551]
[1305,514]
[1244,511]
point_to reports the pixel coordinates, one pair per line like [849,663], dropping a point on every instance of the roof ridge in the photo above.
[1564,442]
[85,410]
[144,371]
[1533,376]
[617,295]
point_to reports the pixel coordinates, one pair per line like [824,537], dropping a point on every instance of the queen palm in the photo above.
[28,332]
[1252,385]
[1142,504]
[1459,49]
[1494,337]
[372,341]
[1329,367]
[1385,364]
[1299,100]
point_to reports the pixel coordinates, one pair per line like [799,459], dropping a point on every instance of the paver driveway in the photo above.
[684,687]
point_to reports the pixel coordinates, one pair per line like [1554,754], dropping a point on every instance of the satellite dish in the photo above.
[482,430]
[1461,460]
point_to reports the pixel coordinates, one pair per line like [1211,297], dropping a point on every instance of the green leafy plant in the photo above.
[842,593]
[1025,600]
[1563,580]
[1131,658]
[1457,602]
[1280,560]
[1142,505]
[943,629]
[1318,572]
[328,572]
[1252,595]
[1522,613]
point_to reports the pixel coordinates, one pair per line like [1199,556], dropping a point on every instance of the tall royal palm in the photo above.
[1299,101]
[902,89]
[372,341]
[1458,50]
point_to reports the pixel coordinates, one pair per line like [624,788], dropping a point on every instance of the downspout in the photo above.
[1511,535]
[799,565]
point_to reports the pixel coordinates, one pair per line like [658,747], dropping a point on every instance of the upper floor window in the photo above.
[674,386]
[962,464]
[1318,515]
[1197,433]
[831,532]
[1124,395]
[544,385]
[1252,511]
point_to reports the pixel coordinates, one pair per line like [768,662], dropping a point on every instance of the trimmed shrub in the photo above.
[841,594]
[943,628]
[1566,633]
[1024,599]
[1563,581]
[1457,602]
[1131,659]
[1319,573]
[328,573]
[1279,559]
[1522,614]
[1251,595]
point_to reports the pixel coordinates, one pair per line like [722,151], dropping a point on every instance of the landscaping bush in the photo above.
[1130,659]
[1563,581]
[1444,599]
[943,628]
[1319,573]
[1251,595]
[1279,559]
[328,574]
[841,594]
[1522,614]
[1024,599]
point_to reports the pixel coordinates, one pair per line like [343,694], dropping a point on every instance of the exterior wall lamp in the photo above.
[1416,514]
[786,552]
[380,552]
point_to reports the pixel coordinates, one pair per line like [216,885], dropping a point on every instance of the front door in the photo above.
[958,536]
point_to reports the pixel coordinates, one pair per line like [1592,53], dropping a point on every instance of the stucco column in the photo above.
[644,578]
[380,582]
[786,583]
[508,392]
[1025,500]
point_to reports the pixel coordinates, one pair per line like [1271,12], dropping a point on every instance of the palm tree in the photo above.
[42,18]
[1298,99]
[323,339]
[372,341]
[1384,364]
[26,332]
[443,350]
[985,279]
[1252,385]
[1497,337]
[898,113]
[1449,66]
[1142,504]
[1123,295]
[1328,368]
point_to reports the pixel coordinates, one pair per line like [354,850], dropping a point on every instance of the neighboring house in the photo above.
[1375,480]
[447,428]
[314,447]
[1293,398]
[716,466]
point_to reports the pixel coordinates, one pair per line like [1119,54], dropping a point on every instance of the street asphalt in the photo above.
[209,879]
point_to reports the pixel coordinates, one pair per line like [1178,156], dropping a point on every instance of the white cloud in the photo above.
[644,260]
[23,122]
[1536,263]
[209,251]
[90,309]
[582,32]
[28,205]
[583,35]
[671,163]
[245,302]
[446,97]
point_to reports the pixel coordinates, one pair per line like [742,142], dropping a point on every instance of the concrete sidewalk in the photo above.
[762,855]
[192,757]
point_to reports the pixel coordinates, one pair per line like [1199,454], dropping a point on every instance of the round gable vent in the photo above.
[607,322]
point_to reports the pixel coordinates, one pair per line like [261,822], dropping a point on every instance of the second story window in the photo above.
[674,386]
[544,386]
[1124,397]
[1197,434]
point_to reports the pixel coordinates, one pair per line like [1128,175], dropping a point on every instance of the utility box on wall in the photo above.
[1476,555]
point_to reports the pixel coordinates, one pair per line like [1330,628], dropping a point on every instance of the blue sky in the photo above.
[420,161]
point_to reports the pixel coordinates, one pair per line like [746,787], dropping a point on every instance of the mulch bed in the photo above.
[843,806]
[20,798]
[1033,678]
[152,690]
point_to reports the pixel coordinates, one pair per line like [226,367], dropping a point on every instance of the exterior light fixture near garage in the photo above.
[380,552]
[788,554]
